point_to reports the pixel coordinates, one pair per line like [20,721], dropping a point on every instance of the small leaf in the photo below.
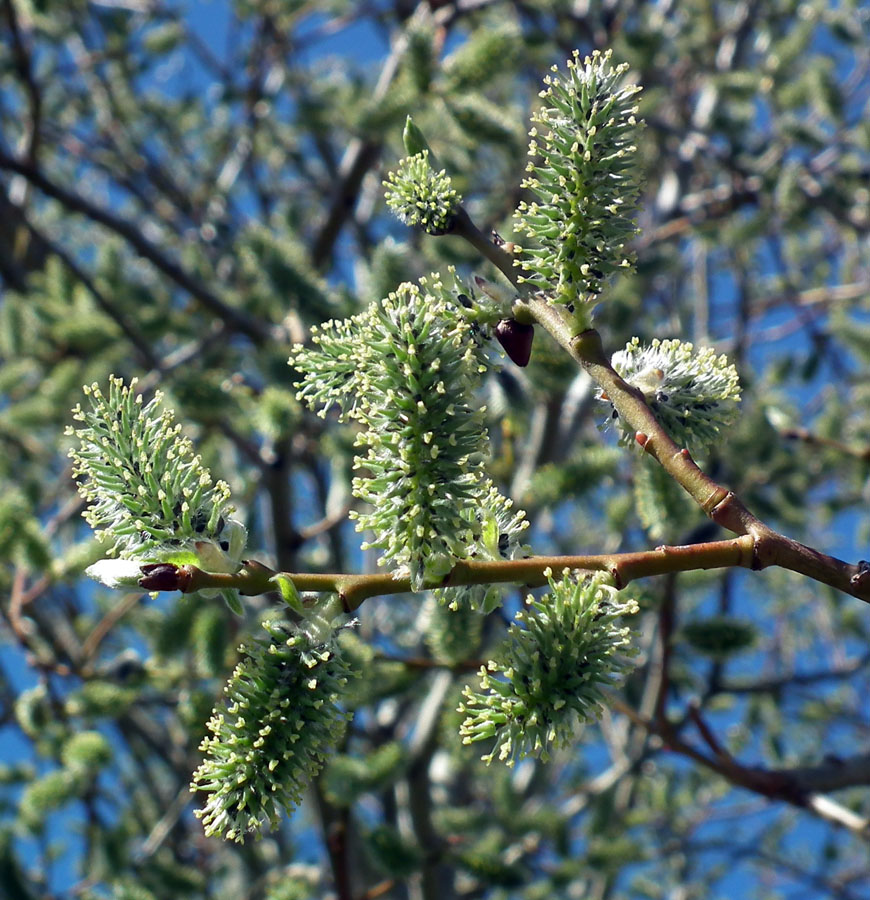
[415,141]
[288,592]
[233,601]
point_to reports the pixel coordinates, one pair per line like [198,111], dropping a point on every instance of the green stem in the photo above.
[463,227]
[255,578]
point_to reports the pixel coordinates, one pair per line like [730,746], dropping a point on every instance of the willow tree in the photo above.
[557,659]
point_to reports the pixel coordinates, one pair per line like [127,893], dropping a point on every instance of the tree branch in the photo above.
[24,65]
[254,578]
[76,203]
[719,503]
[797,787]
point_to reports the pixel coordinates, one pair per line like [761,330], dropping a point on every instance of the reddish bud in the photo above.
[516,338]
[161,577]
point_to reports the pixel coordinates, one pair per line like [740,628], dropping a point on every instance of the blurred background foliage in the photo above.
[184,189]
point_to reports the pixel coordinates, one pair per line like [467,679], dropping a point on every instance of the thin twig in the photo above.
[793,679]
[817,440]
[791,786]
[255,578]
[707,733]
[106,624]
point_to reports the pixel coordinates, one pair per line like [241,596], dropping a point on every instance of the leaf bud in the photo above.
[163,577]
[516,338]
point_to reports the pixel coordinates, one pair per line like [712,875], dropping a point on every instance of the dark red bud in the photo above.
[516,338]
[161,577]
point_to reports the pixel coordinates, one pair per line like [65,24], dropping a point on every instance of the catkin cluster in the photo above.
[147,489]
[420,196]
[548,677]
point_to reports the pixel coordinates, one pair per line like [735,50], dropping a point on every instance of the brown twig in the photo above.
[667,623]
[707,733]
[797,787]
[378,890]
[16,604]
[718,502]
[792,679]
[255,578]
[723,506]
[817,440]
[327,523]
[106,624]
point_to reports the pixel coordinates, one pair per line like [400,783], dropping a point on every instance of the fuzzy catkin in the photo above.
[693,392]
[584,175]
[548,677]
[420,196]
[147,488]
[282,717]
[406,369]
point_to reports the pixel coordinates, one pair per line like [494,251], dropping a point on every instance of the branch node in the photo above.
[717,506]
[707,733]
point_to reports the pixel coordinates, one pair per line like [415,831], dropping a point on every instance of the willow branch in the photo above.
[818,440]
[255,578]
[463,227]
[718,502]
[834,773]
[797,787]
